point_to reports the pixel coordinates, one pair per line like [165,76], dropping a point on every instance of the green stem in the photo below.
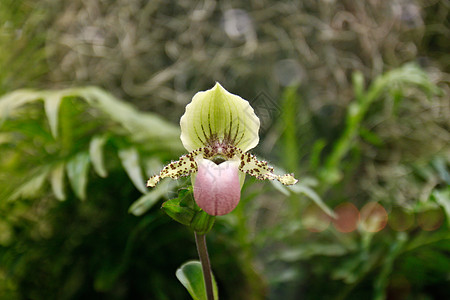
[200,240]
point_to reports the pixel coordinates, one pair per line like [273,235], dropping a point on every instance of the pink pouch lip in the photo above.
[217,189]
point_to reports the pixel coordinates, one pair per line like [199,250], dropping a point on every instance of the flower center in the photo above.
[218,159]
[219,152]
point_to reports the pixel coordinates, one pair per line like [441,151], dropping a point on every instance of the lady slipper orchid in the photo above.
[218,128]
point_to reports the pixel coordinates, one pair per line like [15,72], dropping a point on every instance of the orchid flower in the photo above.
[218,128]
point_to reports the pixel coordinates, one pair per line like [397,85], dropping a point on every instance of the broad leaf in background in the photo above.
[96,153]
[130,162]
[77,171]
[140,126]
[146,201]
[32,186]
[70,144]
[57,182]
[52,104]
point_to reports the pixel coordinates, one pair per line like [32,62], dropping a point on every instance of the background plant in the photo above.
[393,150]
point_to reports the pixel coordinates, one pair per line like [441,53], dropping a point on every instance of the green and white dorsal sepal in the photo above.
[217,116]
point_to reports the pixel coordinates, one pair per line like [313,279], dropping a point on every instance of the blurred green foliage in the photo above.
[339,107]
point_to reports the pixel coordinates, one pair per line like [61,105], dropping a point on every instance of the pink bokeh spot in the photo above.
[217,189]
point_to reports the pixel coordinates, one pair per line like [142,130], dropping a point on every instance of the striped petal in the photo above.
[216,117]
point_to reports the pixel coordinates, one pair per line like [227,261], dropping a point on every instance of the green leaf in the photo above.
[317,148]
[57,182]
[358,85]
[31,187]
[51,106]
[140,126]
[77,171]
[5,138]
[407,75]
[311,194]
[371,137]
[96,153]
[145,202]
[186,196]
[182,208]
[190,275]
[130,161]
[308,250]
[11,101]
[181,214]
[280,187]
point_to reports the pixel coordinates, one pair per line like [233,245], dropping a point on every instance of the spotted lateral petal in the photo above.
[261,170]
[184,166]
[217,116]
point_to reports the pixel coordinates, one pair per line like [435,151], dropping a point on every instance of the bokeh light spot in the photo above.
[373,217]
[347,217]
[289,72]
[314,219]
[400,220]
[431,219]
[237,23]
